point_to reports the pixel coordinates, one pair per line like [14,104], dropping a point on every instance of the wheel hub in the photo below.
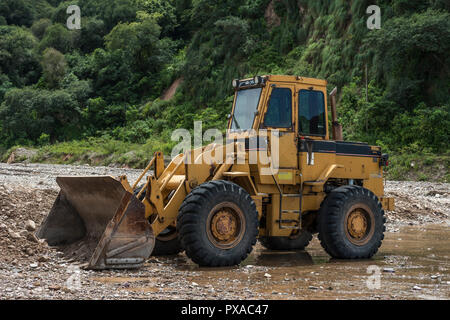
[226,225]
[357,224]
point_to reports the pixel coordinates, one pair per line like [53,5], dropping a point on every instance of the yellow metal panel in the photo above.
[388,204]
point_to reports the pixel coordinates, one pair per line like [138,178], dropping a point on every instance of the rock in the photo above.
[21,155]
[267,275]
[29,251]
[313,288]
[33,265]
[195,284]
[31,237]
[417,288]
[434,277]
[389,270]
[30,225]
[54,287]
[14,235]
[23,233]
[43,259]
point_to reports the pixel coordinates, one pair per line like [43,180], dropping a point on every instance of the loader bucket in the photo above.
[96,219]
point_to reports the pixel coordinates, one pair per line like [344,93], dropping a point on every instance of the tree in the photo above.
[128,69]
[92,33]
[164,13]
[39,27]
[54,67]
[410,55]
[5,85]
[17,12]
[26,114]
[58,37]
[18,60]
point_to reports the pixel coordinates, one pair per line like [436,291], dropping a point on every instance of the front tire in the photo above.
[351,223]
[218,224]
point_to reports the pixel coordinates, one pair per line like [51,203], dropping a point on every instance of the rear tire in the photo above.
[351,223]
[218,224]
[296,242]
[167,243]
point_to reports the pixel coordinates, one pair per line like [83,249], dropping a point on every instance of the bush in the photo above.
[26,114]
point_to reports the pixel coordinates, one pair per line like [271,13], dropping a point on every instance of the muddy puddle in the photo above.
[412,263]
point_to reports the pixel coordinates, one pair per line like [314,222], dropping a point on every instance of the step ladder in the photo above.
[282,223]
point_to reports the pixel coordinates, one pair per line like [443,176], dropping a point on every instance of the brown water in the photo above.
[413,263]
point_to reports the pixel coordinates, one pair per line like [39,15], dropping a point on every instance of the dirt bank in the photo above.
[416,248]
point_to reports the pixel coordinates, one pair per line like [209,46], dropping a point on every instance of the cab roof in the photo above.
[296,79]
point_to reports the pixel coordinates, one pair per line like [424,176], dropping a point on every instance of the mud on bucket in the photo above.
[95,219]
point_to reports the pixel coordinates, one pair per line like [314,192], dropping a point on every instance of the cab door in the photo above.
[315,152]
[279,115]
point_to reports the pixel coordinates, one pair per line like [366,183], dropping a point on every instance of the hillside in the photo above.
[113,91]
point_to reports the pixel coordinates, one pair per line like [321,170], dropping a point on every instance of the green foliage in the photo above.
[163,12]
[102,116]
[91,34]
[18,60]
[58,37]
[101,86]
[39,27]
[17,12]
[128,69]
[5,85]
[432,123]
[53,67]
[26,114]
[410,54]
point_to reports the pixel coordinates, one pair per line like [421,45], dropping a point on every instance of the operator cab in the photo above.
[286,103]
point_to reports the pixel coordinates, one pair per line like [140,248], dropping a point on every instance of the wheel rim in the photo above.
[225,225]
[359,224]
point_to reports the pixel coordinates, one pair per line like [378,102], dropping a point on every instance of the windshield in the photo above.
[245,109]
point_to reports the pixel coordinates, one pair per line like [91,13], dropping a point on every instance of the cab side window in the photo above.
[311,113]
[279,111]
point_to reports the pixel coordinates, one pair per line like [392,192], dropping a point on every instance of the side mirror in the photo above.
[229,116]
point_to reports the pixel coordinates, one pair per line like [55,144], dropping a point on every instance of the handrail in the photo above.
[143,173]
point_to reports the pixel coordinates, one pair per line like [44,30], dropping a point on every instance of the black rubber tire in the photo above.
[162,247]
[332,227]
[192,224]
[299,242]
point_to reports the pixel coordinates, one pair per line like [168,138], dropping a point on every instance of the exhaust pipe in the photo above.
[337,128]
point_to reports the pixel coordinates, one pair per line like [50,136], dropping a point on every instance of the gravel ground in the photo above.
[29,269]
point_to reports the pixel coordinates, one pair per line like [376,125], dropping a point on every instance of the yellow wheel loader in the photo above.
[279,178]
